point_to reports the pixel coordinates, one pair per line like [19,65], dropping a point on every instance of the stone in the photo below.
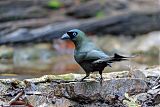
[63,90]
[155,95]
[93,91]
[148,72]
[143,97]
[53,90]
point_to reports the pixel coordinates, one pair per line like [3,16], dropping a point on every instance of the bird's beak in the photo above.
[65,37]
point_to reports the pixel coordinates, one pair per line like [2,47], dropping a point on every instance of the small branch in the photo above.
[155,82]
[16,97]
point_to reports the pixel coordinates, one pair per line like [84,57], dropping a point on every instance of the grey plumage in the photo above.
[89,56]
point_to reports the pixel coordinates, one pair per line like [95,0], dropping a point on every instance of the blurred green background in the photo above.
[30,32]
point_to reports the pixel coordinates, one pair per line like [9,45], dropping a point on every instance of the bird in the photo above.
[88,55]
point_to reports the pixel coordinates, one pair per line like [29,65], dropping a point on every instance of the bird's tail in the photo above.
[112,59]
[118,57]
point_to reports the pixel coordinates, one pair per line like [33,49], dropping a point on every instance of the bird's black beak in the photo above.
[65,37]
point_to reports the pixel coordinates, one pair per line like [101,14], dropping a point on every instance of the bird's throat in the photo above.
[80,42]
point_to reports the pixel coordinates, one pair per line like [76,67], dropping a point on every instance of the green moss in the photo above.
[54,4]
[100,14]
[65,77]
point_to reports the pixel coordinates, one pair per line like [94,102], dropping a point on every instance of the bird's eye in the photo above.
[74,33]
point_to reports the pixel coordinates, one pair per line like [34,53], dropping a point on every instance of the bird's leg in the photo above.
[101,78]
[100,72]
[87,75]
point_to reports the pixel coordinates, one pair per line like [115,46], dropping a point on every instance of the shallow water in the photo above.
[35,60]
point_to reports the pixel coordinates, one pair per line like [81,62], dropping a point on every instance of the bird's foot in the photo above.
[99,79]
[81,80]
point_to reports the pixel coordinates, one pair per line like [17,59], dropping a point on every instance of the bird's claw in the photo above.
[100,79]
[79,80]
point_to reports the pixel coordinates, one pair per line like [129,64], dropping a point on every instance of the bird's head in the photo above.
[73,35]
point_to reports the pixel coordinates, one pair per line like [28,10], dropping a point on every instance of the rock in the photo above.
[92,91]
[146,73]
[63,90]
[143,97]
[72,93]
[72,77]
[153,91]
[155,95]
[151,75]
[75,93]
[138,74]
[151,72]
[157,99]
[149,99]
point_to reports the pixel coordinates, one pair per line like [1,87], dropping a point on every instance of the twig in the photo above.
[16,97]
[2,99]
[155,82]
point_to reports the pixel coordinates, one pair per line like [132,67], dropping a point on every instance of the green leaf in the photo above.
[54,4]
[100,14]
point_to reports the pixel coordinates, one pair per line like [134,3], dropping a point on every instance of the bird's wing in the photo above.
[93,55]
[112,59]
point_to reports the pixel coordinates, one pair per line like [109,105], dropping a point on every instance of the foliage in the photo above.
[54,4]
[100,14]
